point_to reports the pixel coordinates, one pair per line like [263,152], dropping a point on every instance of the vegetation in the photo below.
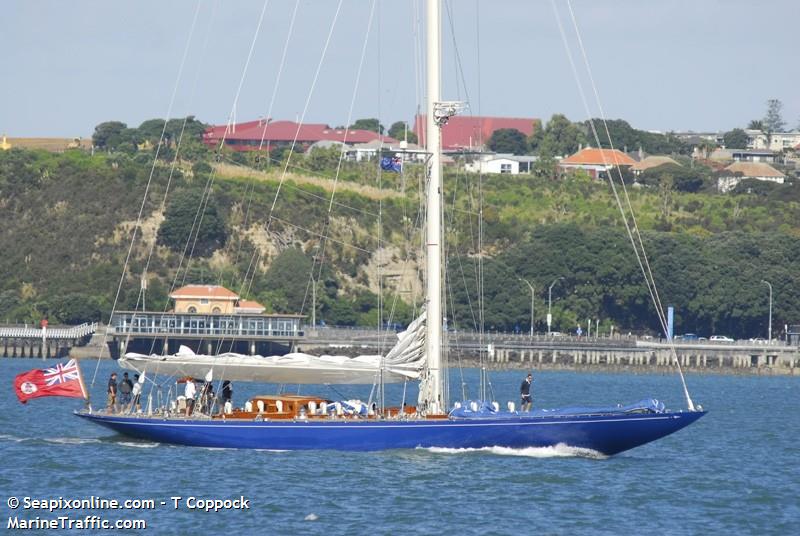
[508,140]
[735,139]
[400,130]
[184,229]
[68,218]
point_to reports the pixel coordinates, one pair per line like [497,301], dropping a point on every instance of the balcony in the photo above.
[207,326]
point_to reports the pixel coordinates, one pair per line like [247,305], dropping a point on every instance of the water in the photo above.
[735,471]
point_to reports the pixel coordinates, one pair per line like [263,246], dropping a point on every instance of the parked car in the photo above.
[721,338]
[688,337]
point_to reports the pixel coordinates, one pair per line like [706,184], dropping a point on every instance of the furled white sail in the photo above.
[404,361]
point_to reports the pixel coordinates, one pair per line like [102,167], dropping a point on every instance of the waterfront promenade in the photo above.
[620,352]
[499,350]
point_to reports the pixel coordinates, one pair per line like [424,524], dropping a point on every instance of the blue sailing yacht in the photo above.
[296,422]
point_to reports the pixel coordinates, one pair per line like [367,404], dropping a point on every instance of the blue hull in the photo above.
[606,434]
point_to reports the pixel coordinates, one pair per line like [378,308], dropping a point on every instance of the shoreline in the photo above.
[639,369]
[89,352]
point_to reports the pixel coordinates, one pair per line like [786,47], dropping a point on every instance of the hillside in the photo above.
[67,220]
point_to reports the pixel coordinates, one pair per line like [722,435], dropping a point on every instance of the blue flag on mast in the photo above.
[392,163]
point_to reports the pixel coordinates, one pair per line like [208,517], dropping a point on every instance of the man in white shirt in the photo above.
[136,404]
[189,393]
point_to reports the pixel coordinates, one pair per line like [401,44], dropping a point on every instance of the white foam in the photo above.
[71,440]
[137,445]
[558,451]
[15,439]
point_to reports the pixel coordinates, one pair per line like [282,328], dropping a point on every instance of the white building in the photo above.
[502,163]
[779,141]
[748,170]
[369,150]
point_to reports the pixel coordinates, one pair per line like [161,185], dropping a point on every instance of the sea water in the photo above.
[736,471]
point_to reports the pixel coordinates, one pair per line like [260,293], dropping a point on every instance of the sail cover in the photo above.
[404,361]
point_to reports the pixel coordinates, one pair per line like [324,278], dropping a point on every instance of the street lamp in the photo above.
[550,303]
[532,294]
[769,329]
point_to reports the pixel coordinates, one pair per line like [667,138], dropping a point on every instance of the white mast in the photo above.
[433,141]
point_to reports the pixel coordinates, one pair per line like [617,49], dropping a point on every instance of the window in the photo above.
[204,301]
[192,309]
[505,168]
[216,310]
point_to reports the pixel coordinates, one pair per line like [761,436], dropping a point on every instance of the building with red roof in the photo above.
[214,299]
[472,133]
[261,134]
[596,161]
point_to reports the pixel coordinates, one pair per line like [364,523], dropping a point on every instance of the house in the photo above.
[742,155]
[471,133]
[596,162]
[212,299]
[502,163]
[267,134]
[369,150]
[651,162]
[776,142]
[748,170]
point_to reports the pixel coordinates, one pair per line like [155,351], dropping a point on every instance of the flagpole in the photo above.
[83,385]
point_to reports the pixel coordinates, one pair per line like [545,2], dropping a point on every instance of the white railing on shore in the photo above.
[72,332]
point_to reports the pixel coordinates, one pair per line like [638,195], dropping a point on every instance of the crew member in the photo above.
[525,393]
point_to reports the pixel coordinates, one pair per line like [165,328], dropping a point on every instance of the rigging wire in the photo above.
[147,186]
[632,229]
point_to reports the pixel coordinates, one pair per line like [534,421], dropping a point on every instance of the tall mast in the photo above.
[433,340]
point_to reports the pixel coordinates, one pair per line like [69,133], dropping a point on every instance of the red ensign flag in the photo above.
[61,380]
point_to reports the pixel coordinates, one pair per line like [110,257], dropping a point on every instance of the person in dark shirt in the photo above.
[112,393]
[227,391]
[525,393]
[125,390]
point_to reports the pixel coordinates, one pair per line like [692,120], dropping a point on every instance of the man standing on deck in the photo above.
[525,393]
[189,393]
[125,390]
[112,393]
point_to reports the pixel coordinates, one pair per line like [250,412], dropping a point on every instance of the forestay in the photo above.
[404,361]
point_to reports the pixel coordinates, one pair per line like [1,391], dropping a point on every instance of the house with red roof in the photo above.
[267,134]
[214,299]
[471,133]
[596,162]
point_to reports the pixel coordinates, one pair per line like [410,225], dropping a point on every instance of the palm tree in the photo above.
[706,147]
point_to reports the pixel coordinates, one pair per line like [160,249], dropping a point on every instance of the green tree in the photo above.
[706,147]
[201,170]
[289,277]
[186,211]
[400,131]
[773,120]
[560,137]
[371,124]
[735,139]
[756,124]
[108,135]
[683,179]
[74,308]
[508,140]
[323,158]
[624,136]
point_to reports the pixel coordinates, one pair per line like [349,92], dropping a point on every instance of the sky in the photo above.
[702,65]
